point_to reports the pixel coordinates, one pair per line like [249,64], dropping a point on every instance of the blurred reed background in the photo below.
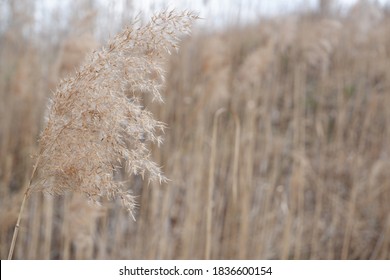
[277,146]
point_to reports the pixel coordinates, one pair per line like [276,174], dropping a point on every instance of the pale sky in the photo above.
[216,13]
[222,11]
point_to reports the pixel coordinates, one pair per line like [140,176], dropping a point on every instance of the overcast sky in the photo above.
[216,13]
[219,11]
[222,11]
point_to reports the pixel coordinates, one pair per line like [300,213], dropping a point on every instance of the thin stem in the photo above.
[236,158]
[211,184]
[25,197]
[16,230]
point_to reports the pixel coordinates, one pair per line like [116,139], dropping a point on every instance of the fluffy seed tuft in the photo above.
[97,125]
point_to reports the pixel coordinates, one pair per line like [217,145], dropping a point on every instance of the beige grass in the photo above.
[96,124]
[311,94]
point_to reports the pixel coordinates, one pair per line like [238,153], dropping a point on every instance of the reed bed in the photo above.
[276,147]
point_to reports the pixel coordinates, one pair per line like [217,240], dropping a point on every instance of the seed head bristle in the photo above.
[94,127]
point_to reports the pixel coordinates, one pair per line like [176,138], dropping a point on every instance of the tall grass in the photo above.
[96,124]
[296,166]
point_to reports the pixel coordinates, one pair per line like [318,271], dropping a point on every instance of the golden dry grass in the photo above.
[295,166]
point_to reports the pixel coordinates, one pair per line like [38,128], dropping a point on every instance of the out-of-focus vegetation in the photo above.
[277,147]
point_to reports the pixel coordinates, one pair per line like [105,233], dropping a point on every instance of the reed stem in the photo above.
[25,197]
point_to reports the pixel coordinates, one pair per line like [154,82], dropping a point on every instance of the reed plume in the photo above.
[96,124]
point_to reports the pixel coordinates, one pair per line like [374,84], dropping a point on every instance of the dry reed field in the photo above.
[276,139]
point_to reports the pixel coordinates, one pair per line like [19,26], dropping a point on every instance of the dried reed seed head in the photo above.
[94,125]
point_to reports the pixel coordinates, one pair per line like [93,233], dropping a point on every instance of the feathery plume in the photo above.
[95,125]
